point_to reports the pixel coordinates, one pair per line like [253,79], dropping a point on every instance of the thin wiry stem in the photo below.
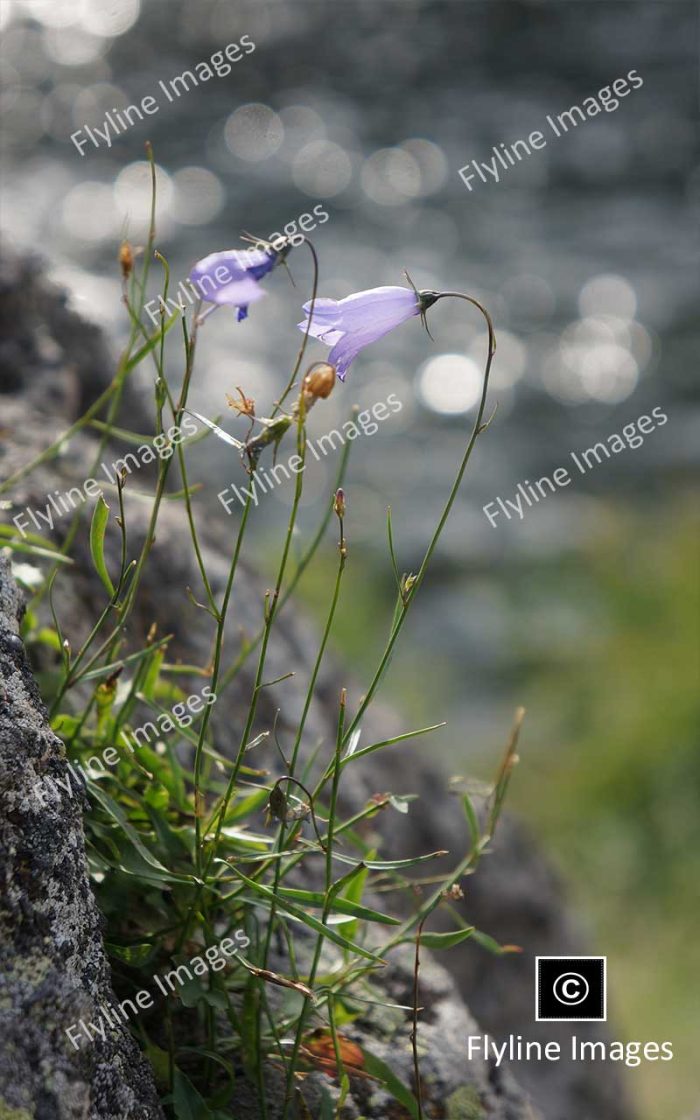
[302,349]
[418,579]
[414,1032]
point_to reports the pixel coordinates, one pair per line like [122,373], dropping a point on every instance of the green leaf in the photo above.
[98,528]
[135,955]
[246,807]
[121,433]
[193,992]
[353,889]
[284,906]
[472,821]
[36,551]
[48,637]
[105,670]
[160,1061]
[117,813]
[157,796]
[376,1068]
[388,742]
[188,1103]
[152,673]
[445,940]
[493,946]
[327,1106]
[224,1094]
[341,905]
[390,864]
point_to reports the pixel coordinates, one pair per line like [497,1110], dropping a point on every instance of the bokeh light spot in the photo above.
[254,132]
[608,295]
[450,383]
[322,168]
[199,196]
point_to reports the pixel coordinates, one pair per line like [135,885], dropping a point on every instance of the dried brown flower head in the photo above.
[126,259]
[245,406]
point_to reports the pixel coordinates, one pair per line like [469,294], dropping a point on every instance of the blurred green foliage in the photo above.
[618,754]
[603,651]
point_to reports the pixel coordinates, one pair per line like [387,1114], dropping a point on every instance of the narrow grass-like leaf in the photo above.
[120,433]
[352,745]
[187,1101]
[40,551]
[105,670]
[9,531]
[117,813]
[377,1068]
[390,864]
[389,742]
[444,940]
[472,821]
[392,552]
[284,905]
[493,946]
[341,905]
[98,527]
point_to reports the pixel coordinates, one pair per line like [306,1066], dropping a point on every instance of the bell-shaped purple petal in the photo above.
[350,324]
[220,279]
[258,262]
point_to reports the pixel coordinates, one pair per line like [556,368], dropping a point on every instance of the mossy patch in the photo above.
[7,1113]
[465,1104]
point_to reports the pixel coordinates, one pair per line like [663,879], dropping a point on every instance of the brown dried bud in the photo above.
[126,258]
[245,406]
[454,893]
[319,381]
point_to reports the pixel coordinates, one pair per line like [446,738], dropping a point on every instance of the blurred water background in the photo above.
[586,253]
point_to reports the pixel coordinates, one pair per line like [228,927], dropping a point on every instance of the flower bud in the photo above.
[339,503]
[319,381]
[126,259]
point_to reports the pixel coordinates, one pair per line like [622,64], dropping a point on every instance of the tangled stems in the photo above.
[332,773]
[478,428]
[221,617]
[303,564]
[269,621]
[279,846]
[218,652]
[328,901]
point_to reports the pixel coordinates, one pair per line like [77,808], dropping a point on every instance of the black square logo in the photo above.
[572,988]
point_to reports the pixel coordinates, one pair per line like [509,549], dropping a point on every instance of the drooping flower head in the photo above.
[231,277]
[350,324]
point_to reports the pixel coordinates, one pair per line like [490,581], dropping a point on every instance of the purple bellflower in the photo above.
[230,278]
[350,324]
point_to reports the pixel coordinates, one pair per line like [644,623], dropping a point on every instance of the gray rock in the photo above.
[54,969]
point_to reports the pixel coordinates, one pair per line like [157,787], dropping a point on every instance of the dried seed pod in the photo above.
[319,381]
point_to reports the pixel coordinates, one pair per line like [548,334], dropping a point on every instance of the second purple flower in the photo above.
[350,324]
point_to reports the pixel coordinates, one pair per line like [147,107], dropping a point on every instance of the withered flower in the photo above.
[245,406]
[126,259]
